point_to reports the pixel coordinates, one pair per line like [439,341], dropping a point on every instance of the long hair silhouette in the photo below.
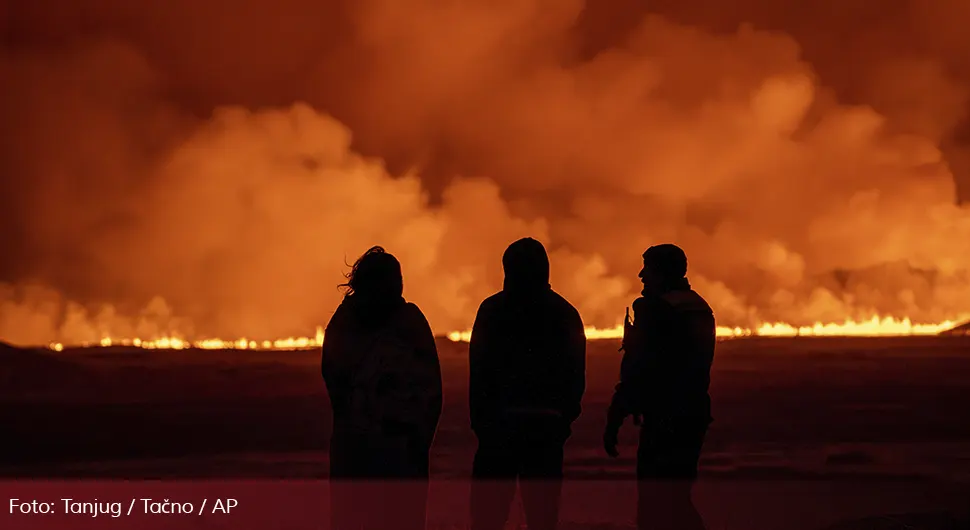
[374,287]
[376,273]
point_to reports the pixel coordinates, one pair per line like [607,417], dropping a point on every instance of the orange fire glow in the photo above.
[178,343]
[874,327]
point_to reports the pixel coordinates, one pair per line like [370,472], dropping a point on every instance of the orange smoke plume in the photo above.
[144,195]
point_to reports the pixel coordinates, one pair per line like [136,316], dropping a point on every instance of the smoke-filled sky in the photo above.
[219,162]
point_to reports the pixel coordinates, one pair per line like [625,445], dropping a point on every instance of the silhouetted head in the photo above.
[664,267]
[375,275]
[526,266]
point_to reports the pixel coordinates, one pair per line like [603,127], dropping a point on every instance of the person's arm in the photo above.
[478,371]
[430,375]
[328,369]
[576,352]
[635,364]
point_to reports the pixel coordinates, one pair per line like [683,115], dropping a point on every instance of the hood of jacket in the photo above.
[526,266]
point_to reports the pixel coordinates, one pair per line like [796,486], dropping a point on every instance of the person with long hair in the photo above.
[382,373]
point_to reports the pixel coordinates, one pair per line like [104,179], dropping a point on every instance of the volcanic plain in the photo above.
[807,431]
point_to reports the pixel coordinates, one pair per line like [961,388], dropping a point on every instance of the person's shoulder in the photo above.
[338,318]
[562,304]
[688,300]
[412,311]
[492,302]
[701,301]
[409,316]
[650,304]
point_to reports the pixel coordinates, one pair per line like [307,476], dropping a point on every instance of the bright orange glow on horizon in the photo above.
[874,327]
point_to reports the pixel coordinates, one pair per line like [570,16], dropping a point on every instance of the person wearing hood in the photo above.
[382,373]
[664,381]
[527,376]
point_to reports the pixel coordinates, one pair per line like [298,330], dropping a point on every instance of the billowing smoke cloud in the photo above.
[212,175]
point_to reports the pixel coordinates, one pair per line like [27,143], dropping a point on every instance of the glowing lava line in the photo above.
[177,343]
[875,327]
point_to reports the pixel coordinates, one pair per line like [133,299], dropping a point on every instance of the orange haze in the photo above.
[194,169]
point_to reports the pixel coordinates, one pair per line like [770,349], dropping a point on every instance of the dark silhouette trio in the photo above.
[527,377]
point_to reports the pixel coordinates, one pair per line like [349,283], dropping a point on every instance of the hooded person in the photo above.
[664,382]
[527,376]
[382,373]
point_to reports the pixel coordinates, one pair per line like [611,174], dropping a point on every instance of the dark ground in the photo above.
[796,420]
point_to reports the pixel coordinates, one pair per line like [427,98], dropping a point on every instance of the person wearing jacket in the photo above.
[664,381]
[527,376]
[382,373]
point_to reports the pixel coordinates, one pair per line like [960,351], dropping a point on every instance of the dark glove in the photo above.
[615,416]
[610,440]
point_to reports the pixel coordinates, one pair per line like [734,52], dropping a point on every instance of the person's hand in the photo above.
[610,440]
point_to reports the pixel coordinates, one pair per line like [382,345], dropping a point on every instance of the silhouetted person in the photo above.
[664,380]
[527,377]
[381,368]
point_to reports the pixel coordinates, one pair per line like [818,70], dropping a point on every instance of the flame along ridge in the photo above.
[874,327]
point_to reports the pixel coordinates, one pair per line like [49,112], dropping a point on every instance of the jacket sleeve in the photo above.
[636,362]
[429,375]
[576,353]
[480,381]
[333,379]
